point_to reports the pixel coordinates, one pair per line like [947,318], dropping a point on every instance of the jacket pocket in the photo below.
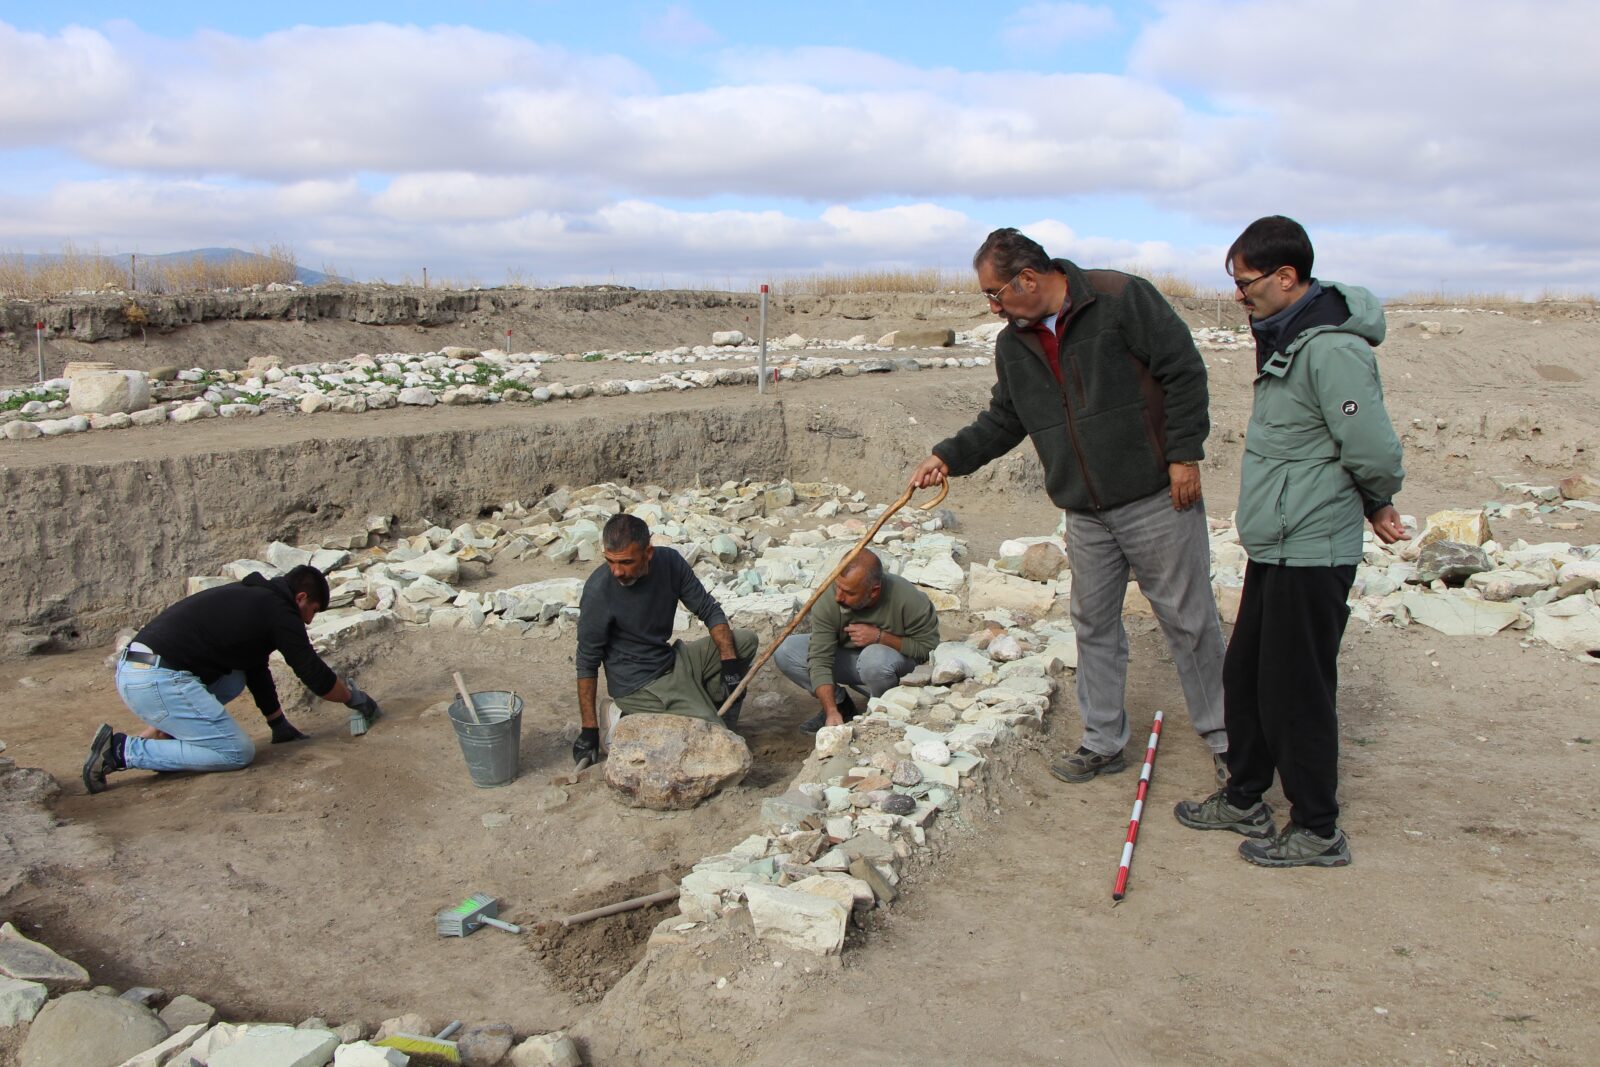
[1118,446]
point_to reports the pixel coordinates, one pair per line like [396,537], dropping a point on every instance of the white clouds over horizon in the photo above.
[1460,132]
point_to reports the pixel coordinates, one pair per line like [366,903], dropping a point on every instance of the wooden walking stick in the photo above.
[905,498]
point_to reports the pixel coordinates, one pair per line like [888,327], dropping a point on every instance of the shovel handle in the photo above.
[466,699]
[905,498]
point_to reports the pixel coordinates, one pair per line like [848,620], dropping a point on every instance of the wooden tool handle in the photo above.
[621,906]
[466,699]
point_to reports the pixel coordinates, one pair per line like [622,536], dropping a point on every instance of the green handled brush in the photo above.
[426,1051]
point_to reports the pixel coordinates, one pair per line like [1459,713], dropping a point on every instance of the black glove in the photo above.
[361,702]
[733,672]
[283,730]
[587,746]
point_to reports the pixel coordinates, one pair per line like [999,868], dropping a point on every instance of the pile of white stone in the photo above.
[70,1023]
[759,547]
[116,399]
[858,816]
[1456,578]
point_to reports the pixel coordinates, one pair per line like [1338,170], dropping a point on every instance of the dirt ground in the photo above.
[1465,932]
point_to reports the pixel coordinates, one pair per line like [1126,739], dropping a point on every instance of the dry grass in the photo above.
[927,280]
[937,280]
[1438,298]
[75,271]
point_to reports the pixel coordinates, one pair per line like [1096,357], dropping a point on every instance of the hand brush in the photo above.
[426,1051]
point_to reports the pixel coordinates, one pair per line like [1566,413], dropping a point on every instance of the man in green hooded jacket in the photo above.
[1320,455]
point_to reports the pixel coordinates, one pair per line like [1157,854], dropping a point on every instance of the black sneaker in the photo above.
[847,708]
[1083,765]
[105,756]
[1215,813]
[1295,846]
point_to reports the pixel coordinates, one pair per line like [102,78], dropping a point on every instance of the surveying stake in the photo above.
[1121,889]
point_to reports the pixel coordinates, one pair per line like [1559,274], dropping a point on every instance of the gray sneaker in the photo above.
[1215,813]
[1083,765]
[1295,846]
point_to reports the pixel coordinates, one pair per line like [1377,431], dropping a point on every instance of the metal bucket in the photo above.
[490,745]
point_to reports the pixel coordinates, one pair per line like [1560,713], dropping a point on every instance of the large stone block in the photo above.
[277,1046]
[919,337]
[105,392]
[800,920]
[86,1029]
[671,762]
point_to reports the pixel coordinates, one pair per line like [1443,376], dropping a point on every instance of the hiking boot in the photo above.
[1083,765]
[1295,846]
[1215,813]
[1219,760]
[105,756]
[847,708]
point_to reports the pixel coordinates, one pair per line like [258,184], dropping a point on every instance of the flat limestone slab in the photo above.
[29,961]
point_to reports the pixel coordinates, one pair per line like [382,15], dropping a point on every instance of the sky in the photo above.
[1426,145]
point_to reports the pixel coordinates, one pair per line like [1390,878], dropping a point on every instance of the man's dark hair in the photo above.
[1273,242]
[310,581]
[624,531]
[869,565]
[1011,252]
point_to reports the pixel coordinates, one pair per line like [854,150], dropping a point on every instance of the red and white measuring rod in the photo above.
[1121,888]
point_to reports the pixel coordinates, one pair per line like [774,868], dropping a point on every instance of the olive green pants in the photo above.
[687,689]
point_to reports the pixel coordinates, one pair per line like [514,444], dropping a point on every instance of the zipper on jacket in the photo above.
[1066,401]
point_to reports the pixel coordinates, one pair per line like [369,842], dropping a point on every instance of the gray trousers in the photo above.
[1170,554]
[876,668]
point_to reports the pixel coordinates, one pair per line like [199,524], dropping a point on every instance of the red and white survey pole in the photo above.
[761,360]
[508,340]
[1121,888]
[38,338]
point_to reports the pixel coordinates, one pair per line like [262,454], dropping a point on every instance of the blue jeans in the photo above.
[204,735]
[875,669]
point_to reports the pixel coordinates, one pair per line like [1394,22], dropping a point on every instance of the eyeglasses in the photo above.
[1244,286]
[994,295]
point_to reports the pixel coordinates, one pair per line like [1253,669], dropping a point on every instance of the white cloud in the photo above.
[677,26]
[1051,25]
[1462,134]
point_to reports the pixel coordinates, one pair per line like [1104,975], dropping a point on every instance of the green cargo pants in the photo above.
[688,688]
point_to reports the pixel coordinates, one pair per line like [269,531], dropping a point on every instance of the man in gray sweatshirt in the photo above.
[625,624]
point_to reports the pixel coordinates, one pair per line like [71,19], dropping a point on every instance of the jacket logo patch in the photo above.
[1349,407]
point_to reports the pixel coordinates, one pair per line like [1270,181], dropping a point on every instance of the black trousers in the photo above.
[1280,681]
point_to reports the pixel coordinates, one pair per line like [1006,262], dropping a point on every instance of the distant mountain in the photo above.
[121,260]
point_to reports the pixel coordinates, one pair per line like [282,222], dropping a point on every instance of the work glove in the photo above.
[283,730]
[733,672]
[361,702]
[587,746]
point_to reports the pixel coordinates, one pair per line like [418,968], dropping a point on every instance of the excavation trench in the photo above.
[307,885]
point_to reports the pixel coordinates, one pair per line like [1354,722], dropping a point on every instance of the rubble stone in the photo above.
[547,1050]
[988,588]
[20,1001]
[1451,562]
[1042,562]
[89,1029]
